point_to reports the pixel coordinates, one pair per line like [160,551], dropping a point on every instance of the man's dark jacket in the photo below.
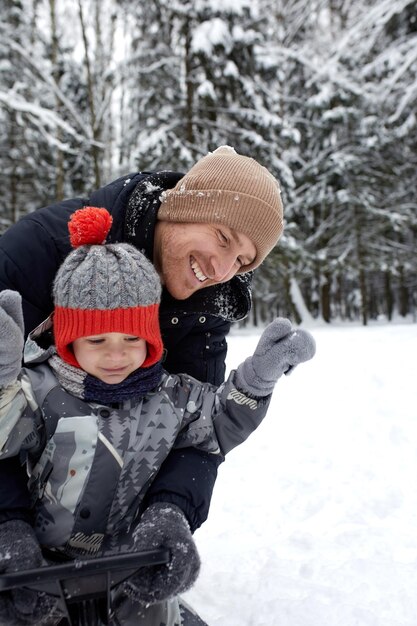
[193,330]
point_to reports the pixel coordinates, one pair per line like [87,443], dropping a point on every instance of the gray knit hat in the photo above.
[104,288]
[227,188]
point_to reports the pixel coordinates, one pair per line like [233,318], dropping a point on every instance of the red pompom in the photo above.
[89,225]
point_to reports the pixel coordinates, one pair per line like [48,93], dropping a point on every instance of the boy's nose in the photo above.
[116,352]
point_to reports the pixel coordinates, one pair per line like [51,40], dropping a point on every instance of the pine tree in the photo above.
[18,153]
[346,170]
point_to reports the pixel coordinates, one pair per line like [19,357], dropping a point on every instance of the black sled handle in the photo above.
[84,586]
[119,566]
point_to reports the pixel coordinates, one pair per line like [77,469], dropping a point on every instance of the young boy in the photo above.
[96,415]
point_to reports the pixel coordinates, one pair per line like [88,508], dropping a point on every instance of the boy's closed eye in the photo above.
[99,340]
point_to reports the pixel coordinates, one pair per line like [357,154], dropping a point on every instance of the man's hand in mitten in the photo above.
[164,525]
[11,336]
[280,349]
[20,550]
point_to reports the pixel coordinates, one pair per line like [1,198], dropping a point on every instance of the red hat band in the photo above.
[141,321]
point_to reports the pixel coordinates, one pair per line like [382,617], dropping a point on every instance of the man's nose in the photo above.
[224,267]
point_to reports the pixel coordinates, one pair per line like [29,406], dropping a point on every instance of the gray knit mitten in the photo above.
[11,336]
[279,350]
[164,526]
[20,550]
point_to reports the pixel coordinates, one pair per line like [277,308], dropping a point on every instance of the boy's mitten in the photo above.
[11,336]
[280,349]
[164,526]
[20,550]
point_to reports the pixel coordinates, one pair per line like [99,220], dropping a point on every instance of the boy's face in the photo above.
[111,357]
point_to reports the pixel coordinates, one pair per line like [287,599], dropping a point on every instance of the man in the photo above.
[204,231]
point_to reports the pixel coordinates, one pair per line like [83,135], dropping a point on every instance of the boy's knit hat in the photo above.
[104,288]
[227,188]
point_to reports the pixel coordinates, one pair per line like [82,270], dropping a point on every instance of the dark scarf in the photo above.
[89,388]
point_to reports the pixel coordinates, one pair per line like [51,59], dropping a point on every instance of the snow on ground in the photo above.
[314,519]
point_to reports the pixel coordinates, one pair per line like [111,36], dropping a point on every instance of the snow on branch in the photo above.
[32,63]
[45,116]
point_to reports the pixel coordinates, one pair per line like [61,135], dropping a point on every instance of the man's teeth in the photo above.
[197,271]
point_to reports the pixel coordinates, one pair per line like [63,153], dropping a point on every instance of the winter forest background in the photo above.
[321,92]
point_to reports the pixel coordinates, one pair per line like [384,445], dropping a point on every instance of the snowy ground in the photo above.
[314,518]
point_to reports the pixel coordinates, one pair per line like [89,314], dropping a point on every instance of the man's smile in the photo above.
[197,270]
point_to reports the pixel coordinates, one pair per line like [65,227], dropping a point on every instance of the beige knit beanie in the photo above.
[227,188]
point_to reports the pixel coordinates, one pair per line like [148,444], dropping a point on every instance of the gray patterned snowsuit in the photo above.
[90,464]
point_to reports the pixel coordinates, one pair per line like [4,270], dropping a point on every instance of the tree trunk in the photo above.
[403,295]
[325,298]
[189,87]
[14,176]
[59,159]
[361,260]
[389,300]
[298,302]
[364,295]
[95,150]
[255,312]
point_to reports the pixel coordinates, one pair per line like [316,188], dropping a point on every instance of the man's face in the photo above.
[189,257]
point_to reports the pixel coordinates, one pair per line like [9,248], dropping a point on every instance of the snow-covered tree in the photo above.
[200,78]
[20,151]
[349,160]
[321,92]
